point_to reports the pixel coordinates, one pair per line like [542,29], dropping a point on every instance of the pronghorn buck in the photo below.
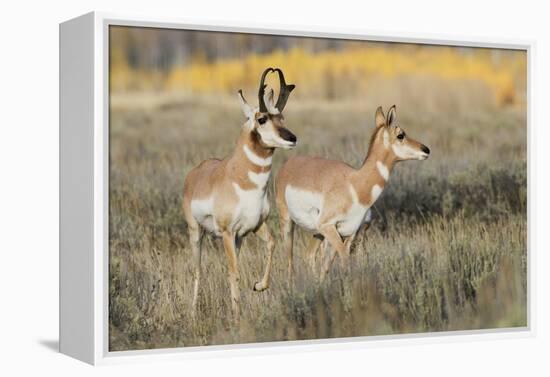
[228,197]
[331,198]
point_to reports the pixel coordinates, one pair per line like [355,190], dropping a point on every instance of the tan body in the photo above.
[228,197]
[331,198]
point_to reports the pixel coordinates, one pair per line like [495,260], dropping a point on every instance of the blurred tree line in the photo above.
[190,61]
[161,49]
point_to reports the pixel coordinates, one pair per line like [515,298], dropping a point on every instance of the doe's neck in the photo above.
[382,163]
[379,161]
[373,175]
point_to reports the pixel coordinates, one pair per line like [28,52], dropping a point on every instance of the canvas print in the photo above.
[275,188]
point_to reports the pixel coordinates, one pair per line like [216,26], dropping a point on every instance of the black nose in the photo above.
[287,135]
[425,149]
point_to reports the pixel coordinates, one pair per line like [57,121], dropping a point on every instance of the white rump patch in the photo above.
[304,207]
[383,170]
[203,211]
[375,193]
[255,159]
[259,179]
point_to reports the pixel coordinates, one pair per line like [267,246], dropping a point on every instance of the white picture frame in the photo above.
[84,146]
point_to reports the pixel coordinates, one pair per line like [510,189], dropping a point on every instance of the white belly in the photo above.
[304,207]
[349,223]
[203,212]
[251,209]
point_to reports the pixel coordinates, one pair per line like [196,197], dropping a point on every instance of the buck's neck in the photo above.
[250,164]
[374,174]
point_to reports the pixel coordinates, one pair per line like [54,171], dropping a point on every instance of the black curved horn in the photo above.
[261,91]
[284,92]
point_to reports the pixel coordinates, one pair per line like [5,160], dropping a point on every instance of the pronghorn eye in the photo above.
[401,136]
[262,120]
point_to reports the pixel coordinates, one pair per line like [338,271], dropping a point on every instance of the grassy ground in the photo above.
[447,250]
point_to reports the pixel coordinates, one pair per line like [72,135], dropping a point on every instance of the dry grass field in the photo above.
[447,249]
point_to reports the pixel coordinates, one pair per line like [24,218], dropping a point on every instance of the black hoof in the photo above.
[254,287]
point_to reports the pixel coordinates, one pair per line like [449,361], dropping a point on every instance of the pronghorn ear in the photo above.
[270,95]
[379,118]
[392,115]
[270,102]
[246,108]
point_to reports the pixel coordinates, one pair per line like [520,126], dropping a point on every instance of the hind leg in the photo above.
[287,228]
[329,253]
[311,251]
[195,239]
[286,224]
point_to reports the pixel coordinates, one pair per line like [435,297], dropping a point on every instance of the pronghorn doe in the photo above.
[333,199]
[228,197]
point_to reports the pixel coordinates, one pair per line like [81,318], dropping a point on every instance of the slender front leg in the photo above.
[265,235]
[230,252]
[287,227]
[336,246]
[349,241]
[334,239]
[360,234]
[332,254]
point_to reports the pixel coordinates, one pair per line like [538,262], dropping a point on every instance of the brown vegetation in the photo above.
[447,250]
